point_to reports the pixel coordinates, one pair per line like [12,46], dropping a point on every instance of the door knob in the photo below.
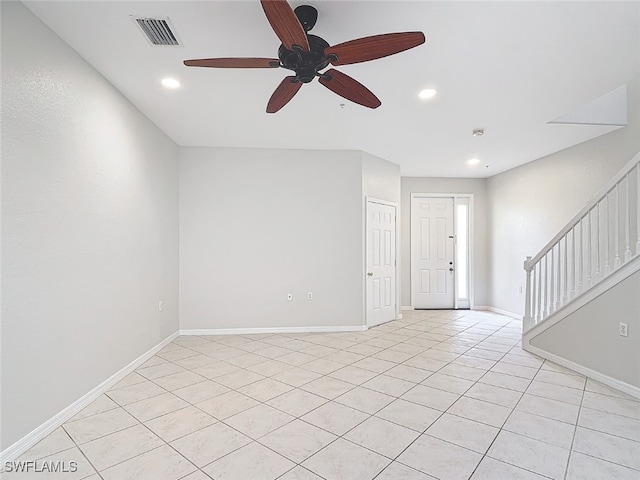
[451,269]
[369,274]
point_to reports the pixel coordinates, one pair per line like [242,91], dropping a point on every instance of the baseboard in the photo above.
[587,372]
[497,310]
[259,330]
[406,307]
[25,443]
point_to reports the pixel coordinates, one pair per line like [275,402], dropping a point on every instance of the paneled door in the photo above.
[432,252]
[381,263]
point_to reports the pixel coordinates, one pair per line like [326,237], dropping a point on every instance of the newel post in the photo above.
[526,324]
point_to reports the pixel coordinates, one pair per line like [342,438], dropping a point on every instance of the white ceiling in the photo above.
[507,67]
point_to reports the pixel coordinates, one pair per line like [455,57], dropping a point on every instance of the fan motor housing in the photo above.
[305,64]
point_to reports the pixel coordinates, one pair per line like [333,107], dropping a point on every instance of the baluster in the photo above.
[589,248]
[538,308]
[534,294]
[566,269]
[627,222]
[552,290]
[527,300]
[558,278]
[606,233]
[638,209]
[596,211]
[573,261]
[580,257]
[616,228]
[546,285]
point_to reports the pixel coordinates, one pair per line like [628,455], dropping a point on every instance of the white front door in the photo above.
[381,263]
[432,269]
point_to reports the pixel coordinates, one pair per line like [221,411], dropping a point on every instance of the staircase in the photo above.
[596,250]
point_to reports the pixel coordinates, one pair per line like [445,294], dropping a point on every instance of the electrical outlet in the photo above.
[520,289]
[289,297]
[624,330]
[309,295]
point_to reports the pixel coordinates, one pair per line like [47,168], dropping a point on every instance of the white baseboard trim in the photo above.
[25,443]
[588,372]
[406,307]
[497,310]
[259,330]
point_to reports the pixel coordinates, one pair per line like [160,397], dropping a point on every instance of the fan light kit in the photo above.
[307,55]
[170,82]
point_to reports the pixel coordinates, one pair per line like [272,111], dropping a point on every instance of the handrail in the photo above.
[577,258]
[597,197]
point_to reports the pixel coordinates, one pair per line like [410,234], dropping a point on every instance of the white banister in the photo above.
[579,257]
[616,228]
[527,304]
[596,213]
[638,208]
[627,221]
[606,233]
[566,270]
[573,262]
[589,251]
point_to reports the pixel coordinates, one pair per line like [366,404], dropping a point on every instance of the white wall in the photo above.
[475,186]
[89,227]
[590,336]
[380,178]
[530,204]
[256,224]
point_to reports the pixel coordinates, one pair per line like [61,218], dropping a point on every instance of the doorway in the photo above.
[441,251]
[380,283]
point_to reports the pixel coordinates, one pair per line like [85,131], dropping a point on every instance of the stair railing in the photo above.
[603,237]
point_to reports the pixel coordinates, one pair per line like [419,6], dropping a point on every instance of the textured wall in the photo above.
[89,227]
[591,335]
[530,204]
[256,224]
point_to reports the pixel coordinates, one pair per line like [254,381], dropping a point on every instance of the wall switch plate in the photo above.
[624,330]
[289,297]
[520,289]
[309,295]
[160,306]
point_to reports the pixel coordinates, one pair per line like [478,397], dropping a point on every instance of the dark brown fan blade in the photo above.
[285,92]
[347,87]
[371,48]
[285,23]
[234,62]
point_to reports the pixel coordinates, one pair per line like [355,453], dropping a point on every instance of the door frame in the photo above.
[456,197]
[365,242]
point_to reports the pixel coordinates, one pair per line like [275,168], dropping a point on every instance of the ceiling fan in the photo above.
[307,54]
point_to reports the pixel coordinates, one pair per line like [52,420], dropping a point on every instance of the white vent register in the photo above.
[158,31]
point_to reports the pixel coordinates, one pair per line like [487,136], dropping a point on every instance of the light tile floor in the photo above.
[437,395]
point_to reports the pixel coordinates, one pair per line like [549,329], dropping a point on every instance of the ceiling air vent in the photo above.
[158,31]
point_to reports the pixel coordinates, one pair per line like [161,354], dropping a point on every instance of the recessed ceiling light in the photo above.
[170,82]
[478,132]
[473,161]
[427,93]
